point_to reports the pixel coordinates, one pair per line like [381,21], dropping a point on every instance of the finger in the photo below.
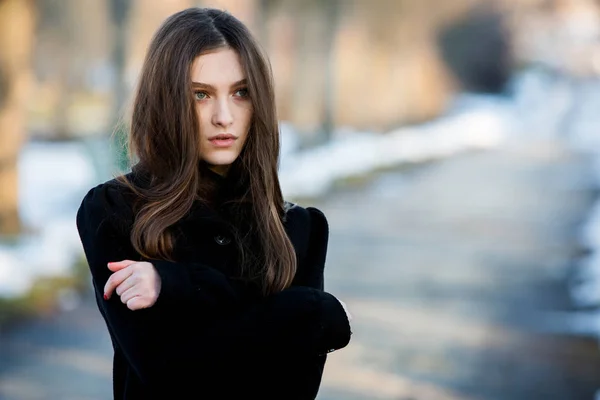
[119,265]
[115,280]
[126,285]
[128,295]
[136,303]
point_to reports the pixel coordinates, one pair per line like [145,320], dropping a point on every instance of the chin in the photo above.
[221,160]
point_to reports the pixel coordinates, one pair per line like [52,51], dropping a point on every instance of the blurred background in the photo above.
[453,145]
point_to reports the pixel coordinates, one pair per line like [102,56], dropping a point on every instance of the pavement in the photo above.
[448,268]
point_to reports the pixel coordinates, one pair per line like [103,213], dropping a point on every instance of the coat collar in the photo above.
[201,210]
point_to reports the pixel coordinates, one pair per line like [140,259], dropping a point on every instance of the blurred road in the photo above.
[447,269]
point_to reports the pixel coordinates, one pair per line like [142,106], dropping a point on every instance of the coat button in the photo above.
[222,240]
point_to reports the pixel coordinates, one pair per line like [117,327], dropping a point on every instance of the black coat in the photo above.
[209,335]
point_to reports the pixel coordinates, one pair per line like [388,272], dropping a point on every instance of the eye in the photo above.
[242,92]
[200,95]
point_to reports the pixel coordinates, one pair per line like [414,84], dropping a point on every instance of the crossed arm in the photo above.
[205,318]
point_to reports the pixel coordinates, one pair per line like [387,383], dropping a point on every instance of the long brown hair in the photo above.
[164,142]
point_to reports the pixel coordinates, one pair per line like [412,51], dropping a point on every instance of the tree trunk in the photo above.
[119,12]
[17,29]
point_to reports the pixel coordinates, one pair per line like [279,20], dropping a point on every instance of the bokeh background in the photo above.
[453,145]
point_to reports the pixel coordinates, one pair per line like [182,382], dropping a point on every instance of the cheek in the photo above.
[200,114]
[243,118]
[203,120]
[247,118]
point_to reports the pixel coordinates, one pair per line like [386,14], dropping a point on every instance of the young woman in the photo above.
[210,284]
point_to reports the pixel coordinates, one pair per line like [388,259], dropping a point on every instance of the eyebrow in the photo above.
[211,87]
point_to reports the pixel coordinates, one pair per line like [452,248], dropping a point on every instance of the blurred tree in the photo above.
[371,65]
[300,41]
[476,48]
[54,25]
[332,14]
[119,12]
[17,25]
[71,68]
[388,72]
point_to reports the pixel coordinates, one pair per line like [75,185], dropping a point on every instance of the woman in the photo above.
[210,284]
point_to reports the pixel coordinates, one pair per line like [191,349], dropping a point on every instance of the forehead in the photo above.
[219,67]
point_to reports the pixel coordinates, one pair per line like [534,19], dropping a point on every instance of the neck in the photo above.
[219,169]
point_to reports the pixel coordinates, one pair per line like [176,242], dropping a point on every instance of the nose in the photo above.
[222,115]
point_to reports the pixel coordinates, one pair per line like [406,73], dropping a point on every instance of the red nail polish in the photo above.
[105,296]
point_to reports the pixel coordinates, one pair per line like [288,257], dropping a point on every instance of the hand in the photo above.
[136,283]
[346,310]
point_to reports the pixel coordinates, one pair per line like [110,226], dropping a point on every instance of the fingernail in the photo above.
[105,296]
[109,264]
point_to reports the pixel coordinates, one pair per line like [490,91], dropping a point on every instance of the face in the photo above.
[223,107]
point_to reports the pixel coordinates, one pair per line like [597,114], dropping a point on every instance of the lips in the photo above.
[222,140]
[223,136]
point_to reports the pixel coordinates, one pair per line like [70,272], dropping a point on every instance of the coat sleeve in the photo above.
[311,233]
[161,342]
[313,262]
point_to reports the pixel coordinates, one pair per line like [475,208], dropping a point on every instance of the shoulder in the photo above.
[110,201]
[307,228]
[304,216]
